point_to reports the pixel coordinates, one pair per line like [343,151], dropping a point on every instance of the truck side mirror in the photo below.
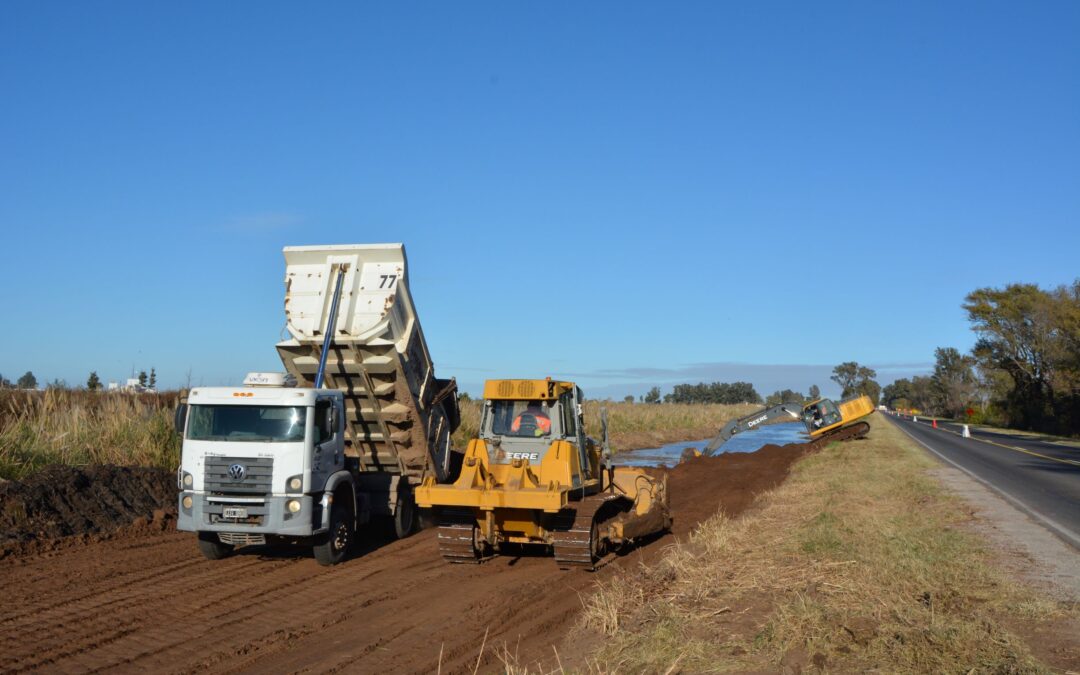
[180,418]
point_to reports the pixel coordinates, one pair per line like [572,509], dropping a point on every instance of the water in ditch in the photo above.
[774,434]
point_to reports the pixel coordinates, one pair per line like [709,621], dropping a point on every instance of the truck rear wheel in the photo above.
[400,525]
[212,547]
[332,547]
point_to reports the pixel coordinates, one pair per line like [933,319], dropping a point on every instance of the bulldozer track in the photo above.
[848,433]
[573,536]
[457,538]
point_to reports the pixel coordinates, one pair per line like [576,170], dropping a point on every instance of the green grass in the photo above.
[861,559]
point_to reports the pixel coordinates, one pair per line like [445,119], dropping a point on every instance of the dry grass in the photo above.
[858,562]
[626,419]
[81,427]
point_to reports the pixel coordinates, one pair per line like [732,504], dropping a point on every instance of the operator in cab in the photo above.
[532,421]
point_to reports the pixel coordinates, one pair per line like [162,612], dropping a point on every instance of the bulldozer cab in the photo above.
[522,418]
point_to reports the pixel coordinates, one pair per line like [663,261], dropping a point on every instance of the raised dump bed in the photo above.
[398,415]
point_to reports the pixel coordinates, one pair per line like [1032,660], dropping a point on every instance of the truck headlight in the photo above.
[295,483]
[187,501]
[294,506]
[188,480]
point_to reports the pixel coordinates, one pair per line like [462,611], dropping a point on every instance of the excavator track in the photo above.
[848,433]
[574,537]
[457,537]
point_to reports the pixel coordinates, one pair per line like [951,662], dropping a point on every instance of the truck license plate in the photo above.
[234,512]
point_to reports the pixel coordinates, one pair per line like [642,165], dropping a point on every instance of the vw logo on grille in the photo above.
[237,471]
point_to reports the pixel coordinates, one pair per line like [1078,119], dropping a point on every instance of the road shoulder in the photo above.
[1027,549]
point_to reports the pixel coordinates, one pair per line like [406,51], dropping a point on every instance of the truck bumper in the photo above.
[270,515]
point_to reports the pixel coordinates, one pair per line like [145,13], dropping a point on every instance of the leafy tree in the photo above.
[464,397]
[716,392]
[954,380]
[855,379]
[1028,353]
[1016,332]
[4,383]
[153,378]
[785,396]
[93,383]
[815,393]
[653,396]
[897,391]
[628,399]
[922,394]
[872,389]
[27,381]
[142,378]
[742,392]
[57,383]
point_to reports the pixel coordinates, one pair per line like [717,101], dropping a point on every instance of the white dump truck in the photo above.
[337,442]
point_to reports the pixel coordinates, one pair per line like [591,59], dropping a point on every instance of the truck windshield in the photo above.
[246,423]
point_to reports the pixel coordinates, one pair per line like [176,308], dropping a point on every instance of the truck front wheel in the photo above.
[332,547]
[212,547]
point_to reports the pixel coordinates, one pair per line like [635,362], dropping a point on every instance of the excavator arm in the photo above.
[751,421]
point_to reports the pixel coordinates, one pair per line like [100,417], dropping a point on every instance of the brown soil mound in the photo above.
[701,486]
[61,501]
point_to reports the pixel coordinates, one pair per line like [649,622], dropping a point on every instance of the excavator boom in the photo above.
[752,421]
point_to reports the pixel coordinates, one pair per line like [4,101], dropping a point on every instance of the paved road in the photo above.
[1041,478]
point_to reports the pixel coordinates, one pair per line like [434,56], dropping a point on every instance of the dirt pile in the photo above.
[701,486]
[61,501]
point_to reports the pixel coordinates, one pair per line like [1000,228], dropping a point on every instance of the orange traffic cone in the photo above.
[935,424]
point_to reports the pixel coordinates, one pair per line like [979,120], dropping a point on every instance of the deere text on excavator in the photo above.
[823,418]
[534,478]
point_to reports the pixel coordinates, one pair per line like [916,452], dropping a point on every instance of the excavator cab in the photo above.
[820,414]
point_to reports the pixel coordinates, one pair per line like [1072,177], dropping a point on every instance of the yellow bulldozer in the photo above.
[533,478]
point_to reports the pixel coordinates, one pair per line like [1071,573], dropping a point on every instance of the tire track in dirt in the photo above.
[148,602]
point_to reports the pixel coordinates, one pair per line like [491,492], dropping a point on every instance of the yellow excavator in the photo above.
[824,420]
[534,478]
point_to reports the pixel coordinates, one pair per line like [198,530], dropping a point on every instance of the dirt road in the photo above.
[146,601]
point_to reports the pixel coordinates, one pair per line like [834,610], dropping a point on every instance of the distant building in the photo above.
[132,385]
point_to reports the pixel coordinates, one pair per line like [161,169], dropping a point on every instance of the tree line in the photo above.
[93,383]
[1024,370]
[725,392]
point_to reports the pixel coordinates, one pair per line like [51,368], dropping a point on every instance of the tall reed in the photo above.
[83,427]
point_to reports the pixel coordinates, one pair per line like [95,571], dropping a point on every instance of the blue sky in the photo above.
[719,191]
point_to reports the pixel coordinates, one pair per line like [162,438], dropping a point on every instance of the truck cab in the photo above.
[265,461]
